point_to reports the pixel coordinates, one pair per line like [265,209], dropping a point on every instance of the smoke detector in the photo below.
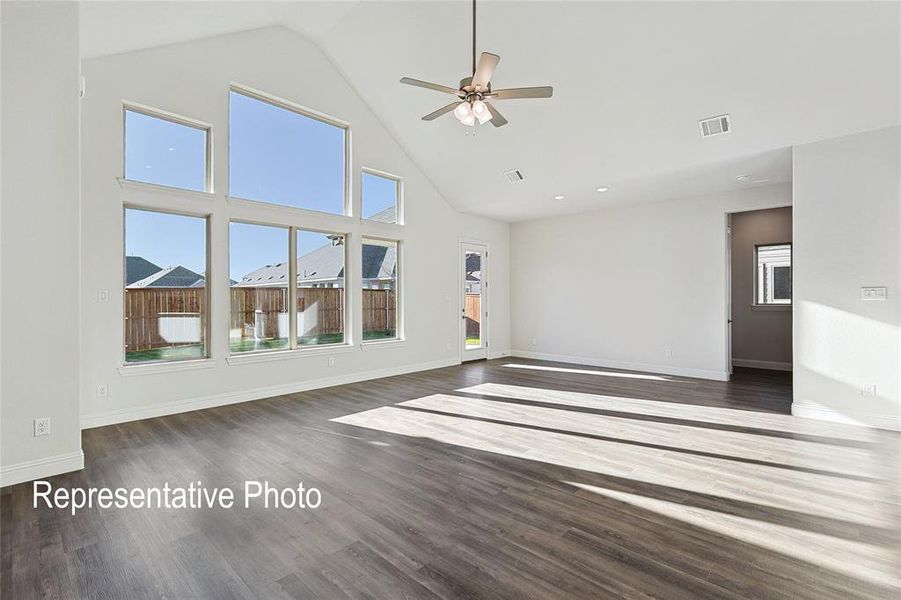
[715,126]
[514,175]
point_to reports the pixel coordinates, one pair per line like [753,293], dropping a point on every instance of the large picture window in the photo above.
[165,286]
[258,268]
[381,197]
[320,288]
[165,151]
[774,274]
[379,278]
[283,156]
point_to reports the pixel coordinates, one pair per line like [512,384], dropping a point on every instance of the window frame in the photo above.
[293,345]
[756,287]
[400,335]
[303,111]
[207,328]
[207,128]
[399,198]
[287,228]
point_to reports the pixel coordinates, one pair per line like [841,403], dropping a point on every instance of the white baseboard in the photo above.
[124,415]
[498,354]
[761,364]
[40,468]
[627,366]
[812,410]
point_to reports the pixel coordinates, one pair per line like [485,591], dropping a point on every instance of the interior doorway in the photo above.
[759,290]
[473,301]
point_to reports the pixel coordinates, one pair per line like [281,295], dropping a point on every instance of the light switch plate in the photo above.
[873,293]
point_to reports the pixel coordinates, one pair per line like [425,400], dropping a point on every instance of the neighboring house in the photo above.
[473,283]
[324,266]
[137,268]
[173,277]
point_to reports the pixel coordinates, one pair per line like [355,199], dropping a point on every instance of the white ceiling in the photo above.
[631,80]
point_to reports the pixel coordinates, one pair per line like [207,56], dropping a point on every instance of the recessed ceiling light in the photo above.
[558,197]
[601,189]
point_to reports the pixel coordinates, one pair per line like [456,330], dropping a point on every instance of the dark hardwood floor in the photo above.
[501,479]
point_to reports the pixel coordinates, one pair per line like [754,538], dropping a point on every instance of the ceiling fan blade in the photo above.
[497,119]
[485,70]
[529,92]
[443,110]
[430,86]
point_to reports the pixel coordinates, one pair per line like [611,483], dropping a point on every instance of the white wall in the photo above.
[847,194]
[192,80]
[761,336]
[620,286]
[39,221]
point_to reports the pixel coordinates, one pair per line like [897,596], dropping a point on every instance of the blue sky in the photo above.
[275,155]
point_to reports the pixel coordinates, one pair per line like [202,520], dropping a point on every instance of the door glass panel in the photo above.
[472,299]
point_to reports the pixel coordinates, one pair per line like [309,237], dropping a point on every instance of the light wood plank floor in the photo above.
[501,479]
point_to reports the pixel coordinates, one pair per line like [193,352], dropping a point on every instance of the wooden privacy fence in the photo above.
[472,310]
[163,317]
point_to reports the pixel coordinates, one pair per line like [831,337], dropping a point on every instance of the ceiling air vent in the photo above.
[514,176]
[715,126]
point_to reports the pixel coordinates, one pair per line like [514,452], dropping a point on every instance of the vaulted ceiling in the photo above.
[630,79]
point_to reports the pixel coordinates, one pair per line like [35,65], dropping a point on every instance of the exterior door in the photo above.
[473,301]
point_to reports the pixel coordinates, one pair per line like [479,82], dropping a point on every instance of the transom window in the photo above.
[381,197]
[774,274]
[280,155]
[166,151]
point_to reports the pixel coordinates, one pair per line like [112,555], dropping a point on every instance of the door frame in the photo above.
[484,325]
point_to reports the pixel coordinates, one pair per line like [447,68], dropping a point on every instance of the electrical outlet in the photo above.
[868,389]
[448,346]
[534,341]
[668,352]
[42,426]
[102,391]
[331,361]
[102,295]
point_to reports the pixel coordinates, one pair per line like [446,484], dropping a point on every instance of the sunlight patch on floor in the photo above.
[829,497]
[675,410]
[855,559]
[590,372]
[723,443]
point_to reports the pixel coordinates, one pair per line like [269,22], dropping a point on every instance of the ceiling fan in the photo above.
[474,92]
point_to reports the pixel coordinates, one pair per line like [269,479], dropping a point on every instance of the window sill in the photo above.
[383,344]
[258,357]
[166,367]
[153,188]
[772,307]
[286,209]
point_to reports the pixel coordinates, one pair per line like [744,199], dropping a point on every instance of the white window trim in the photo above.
[179,120]
[277,355]
[156,367]
[295,348]
[756,304]
[208,297]
[399,293]
[399,200]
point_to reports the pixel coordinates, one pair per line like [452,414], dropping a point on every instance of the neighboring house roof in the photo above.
[137,268]
[326,263]
[389,215]
[175,277]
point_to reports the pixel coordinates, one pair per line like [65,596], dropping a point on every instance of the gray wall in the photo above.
[759,335]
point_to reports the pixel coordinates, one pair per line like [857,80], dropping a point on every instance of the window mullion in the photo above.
[292,287]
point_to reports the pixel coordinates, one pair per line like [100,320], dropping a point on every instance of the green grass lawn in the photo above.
[197,351]
[473,341]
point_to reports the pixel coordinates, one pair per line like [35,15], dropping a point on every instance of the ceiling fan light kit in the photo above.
[471,106]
